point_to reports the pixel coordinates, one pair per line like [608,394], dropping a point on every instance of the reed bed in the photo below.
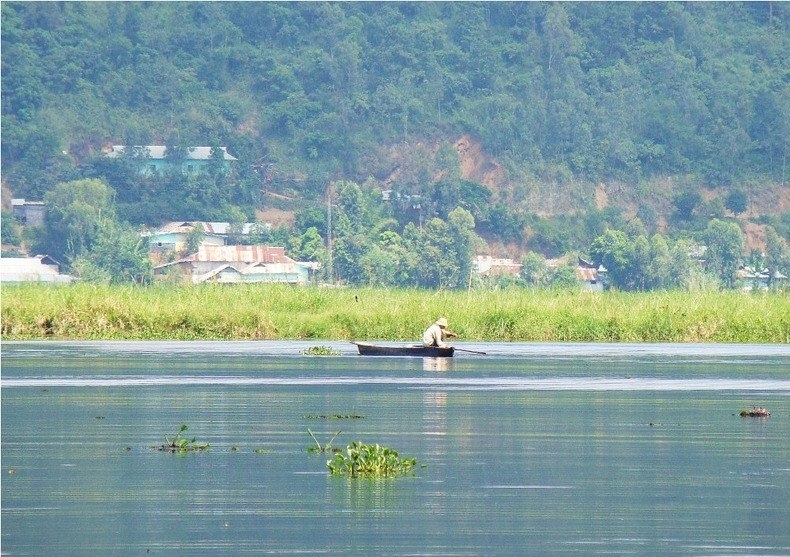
[280,312]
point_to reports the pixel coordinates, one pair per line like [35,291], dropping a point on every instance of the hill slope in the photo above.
[554,108]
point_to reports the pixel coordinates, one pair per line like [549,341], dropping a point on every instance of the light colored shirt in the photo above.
[433,336]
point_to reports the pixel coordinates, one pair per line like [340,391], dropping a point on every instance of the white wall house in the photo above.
[40,268]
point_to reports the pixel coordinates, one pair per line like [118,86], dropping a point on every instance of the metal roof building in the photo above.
[40,268]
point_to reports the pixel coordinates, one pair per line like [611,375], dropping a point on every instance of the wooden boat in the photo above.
[367,349]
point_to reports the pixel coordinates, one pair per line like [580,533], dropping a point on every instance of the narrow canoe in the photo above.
[366,349]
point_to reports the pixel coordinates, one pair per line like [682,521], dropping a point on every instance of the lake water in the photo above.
[531,449]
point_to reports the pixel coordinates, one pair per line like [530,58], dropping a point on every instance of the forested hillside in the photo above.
[548,122]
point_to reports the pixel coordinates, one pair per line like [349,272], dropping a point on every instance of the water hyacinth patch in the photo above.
[374,461]
[180,444]
[321,351]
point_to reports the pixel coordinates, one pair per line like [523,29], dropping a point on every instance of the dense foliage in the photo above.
[594,89]
[309,94]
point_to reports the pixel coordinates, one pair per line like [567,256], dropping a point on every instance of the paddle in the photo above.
[470,351]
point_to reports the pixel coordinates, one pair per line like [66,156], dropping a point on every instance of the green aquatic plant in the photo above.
[321,351]
[322,449]
[179,444]
[372,461]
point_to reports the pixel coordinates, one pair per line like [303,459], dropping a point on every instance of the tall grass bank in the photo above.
[278,312]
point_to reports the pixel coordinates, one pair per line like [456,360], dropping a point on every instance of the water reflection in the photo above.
[434,413]
[436,364]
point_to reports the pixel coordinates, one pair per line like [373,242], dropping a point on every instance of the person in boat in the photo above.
[436,333]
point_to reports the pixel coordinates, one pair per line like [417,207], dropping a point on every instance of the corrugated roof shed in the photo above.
[586,274]
[242,254]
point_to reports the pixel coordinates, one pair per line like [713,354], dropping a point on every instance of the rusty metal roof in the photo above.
[241,254]
[587,275]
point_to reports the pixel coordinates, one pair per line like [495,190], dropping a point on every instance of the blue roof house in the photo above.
[159,159]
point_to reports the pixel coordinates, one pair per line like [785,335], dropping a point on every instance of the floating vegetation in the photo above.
[373,461]
[321,351]
[180,444]
[326,448]
[333,417]
[755,412]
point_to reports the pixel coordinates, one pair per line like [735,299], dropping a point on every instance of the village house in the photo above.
[156,159]
[487,266]
[754,279]
[591,276]
[173,237]
[232,264]
[28,213]
[40,268]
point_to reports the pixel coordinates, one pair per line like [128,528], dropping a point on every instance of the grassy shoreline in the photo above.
[279,312]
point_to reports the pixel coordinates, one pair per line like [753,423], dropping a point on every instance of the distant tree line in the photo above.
[359,240]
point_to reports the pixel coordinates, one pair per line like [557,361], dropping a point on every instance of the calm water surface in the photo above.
[531,449]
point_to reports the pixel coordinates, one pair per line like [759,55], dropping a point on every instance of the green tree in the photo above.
[311,217]
[9,234]
[347,251]
[119,256]
[463,240]
[533,269]
[564,277]
[725,250]
[776,254]
[614,251]
[309,246]
[736,201]
[176,153]
[75,214]
[194,238]
[443,250]
[685,204]
[505,223]
[640,278]
[217,167]
[659,266]
[438,265]
[378,267]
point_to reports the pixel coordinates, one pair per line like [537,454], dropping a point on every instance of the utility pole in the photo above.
[329,276]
